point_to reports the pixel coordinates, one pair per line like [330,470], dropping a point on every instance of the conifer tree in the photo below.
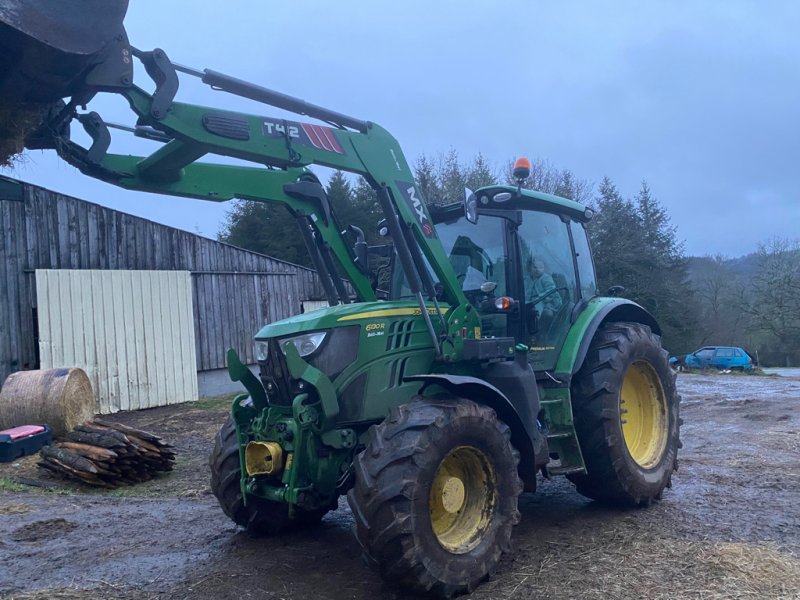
[264,228]
[635,246]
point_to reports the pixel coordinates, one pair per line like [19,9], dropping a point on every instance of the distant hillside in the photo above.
[751,301]
[701,267]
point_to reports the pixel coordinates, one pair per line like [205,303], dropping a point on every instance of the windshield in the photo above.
[476,253]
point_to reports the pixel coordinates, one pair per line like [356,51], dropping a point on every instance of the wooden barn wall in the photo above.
[236,291]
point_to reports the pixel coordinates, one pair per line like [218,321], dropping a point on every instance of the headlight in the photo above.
[262,351]
[306,344]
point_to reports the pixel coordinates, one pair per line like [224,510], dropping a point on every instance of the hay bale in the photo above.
[62,398]
[17,121]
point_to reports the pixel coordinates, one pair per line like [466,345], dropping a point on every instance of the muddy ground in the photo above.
[729,527]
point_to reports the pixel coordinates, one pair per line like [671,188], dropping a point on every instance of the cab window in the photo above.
[477,254]
[549,283]
[583,258]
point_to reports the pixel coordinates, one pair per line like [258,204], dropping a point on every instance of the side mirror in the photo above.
[470,206]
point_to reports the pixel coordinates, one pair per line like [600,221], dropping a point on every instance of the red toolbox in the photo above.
[23,440]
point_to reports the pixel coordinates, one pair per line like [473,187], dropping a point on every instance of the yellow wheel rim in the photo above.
[643,413]
[462,499]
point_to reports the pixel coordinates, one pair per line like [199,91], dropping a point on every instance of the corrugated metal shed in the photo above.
[131,331]
[235,291]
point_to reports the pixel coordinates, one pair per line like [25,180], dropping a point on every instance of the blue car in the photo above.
[719,357]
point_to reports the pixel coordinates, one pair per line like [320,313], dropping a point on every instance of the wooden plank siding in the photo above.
[235,291]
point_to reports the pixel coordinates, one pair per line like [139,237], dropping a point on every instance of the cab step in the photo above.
[562,441]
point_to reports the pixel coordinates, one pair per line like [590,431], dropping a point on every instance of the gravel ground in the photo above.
[729,527]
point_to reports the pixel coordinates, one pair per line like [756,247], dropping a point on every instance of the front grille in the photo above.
[338,351]
[351,402]
[275,376]
[399,334]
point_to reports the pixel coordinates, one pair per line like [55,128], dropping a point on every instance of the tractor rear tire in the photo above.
[259,517]
[435,495]
[626,413]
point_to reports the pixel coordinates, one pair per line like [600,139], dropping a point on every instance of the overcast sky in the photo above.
[701,99]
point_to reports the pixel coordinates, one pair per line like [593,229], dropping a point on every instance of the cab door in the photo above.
[480,257]
[549,290]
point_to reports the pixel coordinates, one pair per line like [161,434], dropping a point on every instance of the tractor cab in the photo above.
[522,259]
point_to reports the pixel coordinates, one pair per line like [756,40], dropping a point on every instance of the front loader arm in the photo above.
[283,149]
[372,153]
[219,183]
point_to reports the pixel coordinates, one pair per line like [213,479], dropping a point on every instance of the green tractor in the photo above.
[491,359]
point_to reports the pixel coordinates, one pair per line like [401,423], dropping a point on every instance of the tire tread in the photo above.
[595,401]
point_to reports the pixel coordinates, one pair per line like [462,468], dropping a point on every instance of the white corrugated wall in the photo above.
[131,331]
[312,305]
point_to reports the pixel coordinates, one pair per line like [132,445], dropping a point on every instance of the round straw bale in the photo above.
[17,120]
[61,398]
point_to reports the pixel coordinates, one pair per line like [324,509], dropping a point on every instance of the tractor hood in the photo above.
[340,316]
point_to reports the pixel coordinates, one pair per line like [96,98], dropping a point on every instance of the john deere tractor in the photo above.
[489,362]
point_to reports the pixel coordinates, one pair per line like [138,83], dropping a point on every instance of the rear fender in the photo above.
[522,434]
[597,311]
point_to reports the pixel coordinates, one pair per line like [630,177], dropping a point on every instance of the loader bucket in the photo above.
[48,48]
[47,45]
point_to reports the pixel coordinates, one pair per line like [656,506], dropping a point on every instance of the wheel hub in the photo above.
[453,494]
[462,499]
[643,415]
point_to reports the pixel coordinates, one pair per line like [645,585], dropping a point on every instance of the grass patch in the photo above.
[133,491]
[214,403]
[9,485]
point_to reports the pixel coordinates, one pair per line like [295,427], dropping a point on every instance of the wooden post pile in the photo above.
[107,454]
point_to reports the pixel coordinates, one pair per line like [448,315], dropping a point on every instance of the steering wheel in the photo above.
[538,299]
[532,313]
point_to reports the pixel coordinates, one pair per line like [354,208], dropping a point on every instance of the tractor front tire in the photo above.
[259,517]
[626,412]
[435,495]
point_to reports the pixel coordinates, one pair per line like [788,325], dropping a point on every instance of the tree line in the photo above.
[752,301]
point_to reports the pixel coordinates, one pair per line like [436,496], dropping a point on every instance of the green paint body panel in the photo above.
[393,343]
[581,328]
